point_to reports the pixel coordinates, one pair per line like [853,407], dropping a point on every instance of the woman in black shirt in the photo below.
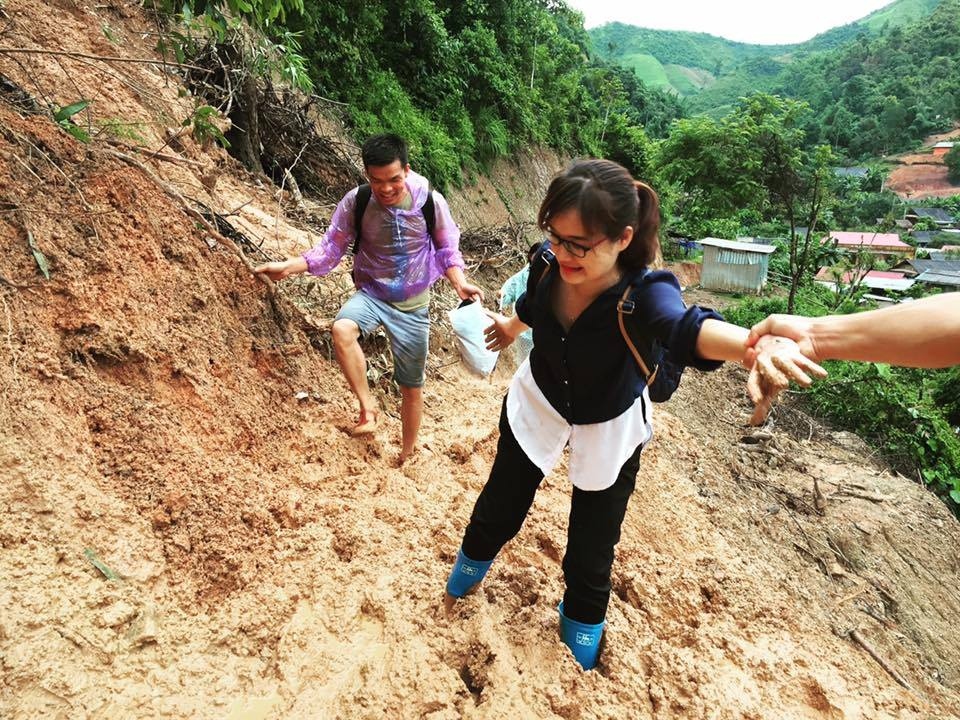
[581,388]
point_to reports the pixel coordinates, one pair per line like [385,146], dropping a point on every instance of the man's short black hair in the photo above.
[383,149]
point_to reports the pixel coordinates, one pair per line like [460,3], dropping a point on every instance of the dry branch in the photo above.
[101,58]
[859,640]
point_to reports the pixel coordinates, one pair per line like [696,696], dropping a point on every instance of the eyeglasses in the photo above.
[574,248]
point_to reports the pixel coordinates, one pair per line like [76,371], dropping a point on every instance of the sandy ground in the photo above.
[188,531]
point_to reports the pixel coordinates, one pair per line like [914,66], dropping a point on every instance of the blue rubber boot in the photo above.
[582,639]
[465,574]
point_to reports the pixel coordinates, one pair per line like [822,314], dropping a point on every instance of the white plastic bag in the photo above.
[469,322]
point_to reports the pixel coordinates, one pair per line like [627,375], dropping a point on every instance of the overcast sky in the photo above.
[766,22]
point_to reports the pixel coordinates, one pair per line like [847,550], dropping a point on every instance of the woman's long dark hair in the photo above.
[608,200]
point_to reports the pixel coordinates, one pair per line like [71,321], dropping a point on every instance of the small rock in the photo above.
[144,629]
[117,614]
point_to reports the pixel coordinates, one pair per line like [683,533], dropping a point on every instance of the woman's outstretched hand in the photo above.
[502,331]
[774,362]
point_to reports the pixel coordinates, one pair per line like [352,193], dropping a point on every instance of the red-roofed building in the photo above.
[874,279]
[872,242]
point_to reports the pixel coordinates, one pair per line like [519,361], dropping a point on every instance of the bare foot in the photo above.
[449,603]
[405,455]
[369,420]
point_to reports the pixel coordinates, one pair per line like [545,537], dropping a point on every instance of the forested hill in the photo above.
[689,63]
[883,93]
[874,87]
[467,82]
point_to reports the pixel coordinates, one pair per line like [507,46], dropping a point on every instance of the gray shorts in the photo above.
[409,334]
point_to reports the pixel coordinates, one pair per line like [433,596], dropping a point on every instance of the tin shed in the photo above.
[734,266]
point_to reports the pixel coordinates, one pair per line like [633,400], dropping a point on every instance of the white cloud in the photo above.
[766,22]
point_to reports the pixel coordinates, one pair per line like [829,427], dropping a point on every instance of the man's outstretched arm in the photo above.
[919,333]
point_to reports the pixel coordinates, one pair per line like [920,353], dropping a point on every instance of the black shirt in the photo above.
[588,375]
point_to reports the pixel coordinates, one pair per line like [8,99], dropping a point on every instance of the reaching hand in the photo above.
[794,327]
[501,333]
[774,361]
[280,269]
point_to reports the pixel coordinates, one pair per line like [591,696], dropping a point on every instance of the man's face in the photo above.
[388,182]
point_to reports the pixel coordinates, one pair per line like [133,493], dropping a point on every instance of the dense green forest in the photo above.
[464,81]
[617,41]
[882,94]
[735,65]
[905,51]
[875,87]
[468,82]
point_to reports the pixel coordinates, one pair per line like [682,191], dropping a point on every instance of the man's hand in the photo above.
[774,361]
[280,269]
[466,290]
[794,327]
[469,291]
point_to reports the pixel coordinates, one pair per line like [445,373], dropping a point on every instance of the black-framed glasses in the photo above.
[574,248]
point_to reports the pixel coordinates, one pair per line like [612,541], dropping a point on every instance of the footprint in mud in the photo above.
[344,545]
[549,547]
[521,584]
[475,668]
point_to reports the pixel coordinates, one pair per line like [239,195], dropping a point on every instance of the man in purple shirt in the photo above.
[396,263]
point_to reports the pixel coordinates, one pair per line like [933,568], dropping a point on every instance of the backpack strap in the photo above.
[429,211]
[626,306]
[360,206]
[545,255]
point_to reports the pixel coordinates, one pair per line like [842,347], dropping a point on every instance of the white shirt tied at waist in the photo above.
[597,450]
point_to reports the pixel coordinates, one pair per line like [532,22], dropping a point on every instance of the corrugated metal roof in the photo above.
[935,214]
[856,239]
[851,171]
[938,266]
[939,278]
[734,245]
[884,283]
[878,279]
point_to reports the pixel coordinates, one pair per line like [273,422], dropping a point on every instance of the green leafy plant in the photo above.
[122,130]
[896,409]
[110,34]
[203,128]
[63,116]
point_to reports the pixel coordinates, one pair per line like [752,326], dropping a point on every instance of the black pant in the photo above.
[593,532]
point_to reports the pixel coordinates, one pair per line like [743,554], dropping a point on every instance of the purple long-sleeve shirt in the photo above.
[397,258]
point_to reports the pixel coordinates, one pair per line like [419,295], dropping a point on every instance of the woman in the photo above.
[507,296]
[581,387]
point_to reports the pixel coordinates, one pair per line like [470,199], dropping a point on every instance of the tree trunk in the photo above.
[248,129]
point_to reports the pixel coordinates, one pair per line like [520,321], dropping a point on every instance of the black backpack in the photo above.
[363,199]
[664,379]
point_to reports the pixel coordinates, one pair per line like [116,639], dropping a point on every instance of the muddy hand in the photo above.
[777,361]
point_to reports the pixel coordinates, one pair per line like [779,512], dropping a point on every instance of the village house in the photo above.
[733,266]
[879,244]
[880,280]
[943,147]
[940,216]
[858,172]
[942,272]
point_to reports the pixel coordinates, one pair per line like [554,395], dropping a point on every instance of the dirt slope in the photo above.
[918,176]
[269,566]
